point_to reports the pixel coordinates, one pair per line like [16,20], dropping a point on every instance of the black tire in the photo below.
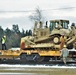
[38,58]
[70,46]
[23,57]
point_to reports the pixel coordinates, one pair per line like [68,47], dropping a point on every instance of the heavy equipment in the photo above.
[45,41]
[51,35]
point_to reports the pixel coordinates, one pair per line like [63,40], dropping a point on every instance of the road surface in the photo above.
[36,70]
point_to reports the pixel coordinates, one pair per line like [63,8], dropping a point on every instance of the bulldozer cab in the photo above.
[58,24]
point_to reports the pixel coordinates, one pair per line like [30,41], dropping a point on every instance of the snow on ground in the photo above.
[18,74]
[36,66]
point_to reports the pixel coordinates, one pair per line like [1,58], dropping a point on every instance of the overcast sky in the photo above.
[51,7]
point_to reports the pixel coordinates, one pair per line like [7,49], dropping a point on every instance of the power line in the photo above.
[63,8]
[66,8]
[19,11]
[41,10]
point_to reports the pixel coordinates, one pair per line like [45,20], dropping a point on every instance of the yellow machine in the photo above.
[45,41]
[50,36]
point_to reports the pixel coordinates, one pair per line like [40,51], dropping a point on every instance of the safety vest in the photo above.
[3,40]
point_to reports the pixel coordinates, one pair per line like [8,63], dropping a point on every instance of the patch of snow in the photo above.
[14,49]
[36,66]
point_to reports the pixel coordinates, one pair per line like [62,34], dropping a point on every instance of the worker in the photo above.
[3,42]
[62,40]
[64,54]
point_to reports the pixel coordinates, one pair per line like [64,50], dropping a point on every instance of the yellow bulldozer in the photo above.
[49,36]
[45,41]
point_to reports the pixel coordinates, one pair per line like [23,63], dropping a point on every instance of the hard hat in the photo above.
[64,46]
[62,34]
[4,36]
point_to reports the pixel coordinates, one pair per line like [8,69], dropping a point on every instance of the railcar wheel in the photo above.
[38,58]
[23,57]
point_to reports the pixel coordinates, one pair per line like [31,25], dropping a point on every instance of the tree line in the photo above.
[13,36]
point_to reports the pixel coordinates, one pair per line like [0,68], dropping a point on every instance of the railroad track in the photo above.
[53,62]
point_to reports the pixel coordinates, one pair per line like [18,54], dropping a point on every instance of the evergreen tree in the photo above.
[16,29]
[1,32]
[13,36]
[1,35]
[26,32]
[30,33]
[23,34]
[8,32]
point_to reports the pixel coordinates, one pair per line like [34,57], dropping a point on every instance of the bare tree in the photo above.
[37,16]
